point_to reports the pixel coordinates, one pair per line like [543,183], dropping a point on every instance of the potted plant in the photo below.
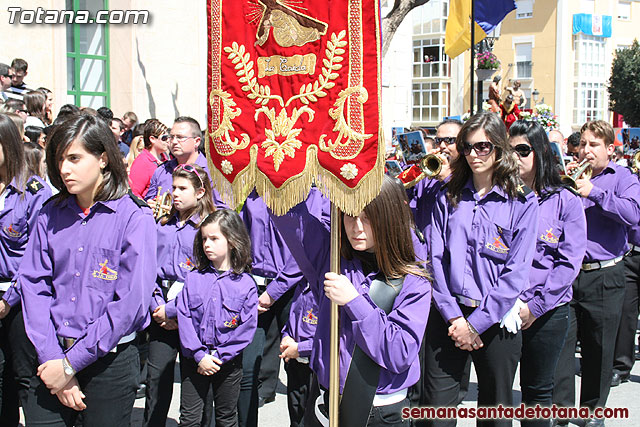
[488,63]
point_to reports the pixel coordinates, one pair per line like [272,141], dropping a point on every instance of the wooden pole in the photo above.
[334,363]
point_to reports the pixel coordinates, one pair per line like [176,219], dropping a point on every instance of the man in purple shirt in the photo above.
[184,139]
[610,200]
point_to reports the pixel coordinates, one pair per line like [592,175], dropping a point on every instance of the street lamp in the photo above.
[535,95]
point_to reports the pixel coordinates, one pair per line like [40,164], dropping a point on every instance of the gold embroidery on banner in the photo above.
[282,126]
[341,126]
[286,65]
[228,115]
[290,27]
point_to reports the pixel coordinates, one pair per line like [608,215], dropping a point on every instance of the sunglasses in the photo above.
[447,139]
[482,148]
[190,169]
[523,150]
[165,138]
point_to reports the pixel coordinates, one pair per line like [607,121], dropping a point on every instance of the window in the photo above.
[587,6]
[523,60]
[524,9]
[624,10]
[430,18]
[430,102]
[429,59]
[589,88]
[88,58]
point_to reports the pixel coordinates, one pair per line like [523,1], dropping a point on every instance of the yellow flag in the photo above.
[458,34]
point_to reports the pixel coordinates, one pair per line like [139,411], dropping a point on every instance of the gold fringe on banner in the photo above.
[295,190]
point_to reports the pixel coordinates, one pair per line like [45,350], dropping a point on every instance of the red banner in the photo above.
[294,97]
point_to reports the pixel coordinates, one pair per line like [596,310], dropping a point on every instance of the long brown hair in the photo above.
[205,205]
[391,224]
[234,230]
[34,101]
[505,170]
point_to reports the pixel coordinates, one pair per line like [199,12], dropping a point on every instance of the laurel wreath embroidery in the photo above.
[282,126]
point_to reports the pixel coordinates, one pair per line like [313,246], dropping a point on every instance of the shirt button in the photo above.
[73,299]
[66,323]
[77,274]
[83,223]
[80,249]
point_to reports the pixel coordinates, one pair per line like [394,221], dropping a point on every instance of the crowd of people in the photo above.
[119,257]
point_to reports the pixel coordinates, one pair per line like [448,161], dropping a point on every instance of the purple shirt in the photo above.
[271,256]
[175,257]
[163,177]
[87,277]
[560,247]
[482,250]
[18,213]
[611,208]
[303,319]
[217,311]
[422,199]
[392,341]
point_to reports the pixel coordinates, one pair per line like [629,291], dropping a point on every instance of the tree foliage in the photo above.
[394,18]
[624,84]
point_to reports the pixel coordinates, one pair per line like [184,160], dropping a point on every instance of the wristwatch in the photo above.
[68,369]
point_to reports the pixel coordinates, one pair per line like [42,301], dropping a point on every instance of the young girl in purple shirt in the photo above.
[192,202]
[217,318]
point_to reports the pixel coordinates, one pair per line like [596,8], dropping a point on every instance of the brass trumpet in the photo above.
[431,165]
[635,162]
[163,205]
[583,170]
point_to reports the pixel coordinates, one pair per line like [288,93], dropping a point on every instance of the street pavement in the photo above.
[275,414]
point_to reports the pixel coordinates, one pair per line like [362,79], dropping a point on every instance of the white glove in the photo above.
[511,321]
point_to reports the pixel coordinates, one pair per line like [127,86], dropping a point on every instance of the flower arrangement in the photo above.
[487,61]
[543,114]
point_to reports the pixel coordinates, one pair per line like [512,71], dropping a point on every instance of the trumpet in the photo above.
[583,170]
[163,204]
[431,165]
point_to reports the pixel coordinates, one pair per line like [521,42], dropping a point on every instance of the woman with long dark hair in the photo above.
[482,245]
[561,243]
[383,293]
[22,194]
[87,278]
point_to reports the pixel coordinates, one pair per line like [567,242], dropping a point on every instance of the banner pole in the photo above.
[334,363]
[473,58]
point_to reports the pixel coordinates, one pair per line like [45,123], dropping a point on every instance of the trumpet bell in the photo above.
[583,170]
[431,165]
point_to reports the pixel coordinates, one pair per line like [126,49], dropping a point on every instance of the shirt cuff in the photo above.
[11,296]
[79,358]
[170,309]
[596,195]
[304,348]
[359,308]
[450,311]
[536,308]
[199,355]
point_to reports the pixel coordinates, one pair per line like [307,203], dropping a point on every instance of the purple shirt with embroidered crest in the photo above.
[482,250]
[19,210]
[88,277]
[422,199]
[561,243]
[271,256]
[392,341]
[303,319]
[175,256]
[163,177]
[611,209]
[217,311]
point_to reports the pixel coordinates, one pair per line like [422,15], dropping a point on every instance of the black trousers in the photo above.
[196,390]
[417,392]
[595,310]
[445,364]
[109,385]
[299,379]
[163,349]
[20,365]
[624,356]
[541,346]
[272,322]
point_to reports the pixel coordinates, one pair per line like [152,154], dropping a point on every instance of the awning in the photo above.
[592,25]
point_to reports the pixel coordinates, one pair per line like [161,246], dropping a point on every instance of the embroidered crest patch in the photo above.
[105,273]
[497,246]
[549,237]
[310,318]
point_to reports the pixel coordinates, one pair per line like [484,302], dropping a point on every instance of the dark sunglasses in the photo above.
[164,138]
[447,139]
[482,148]
[523,150]
[190,169]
